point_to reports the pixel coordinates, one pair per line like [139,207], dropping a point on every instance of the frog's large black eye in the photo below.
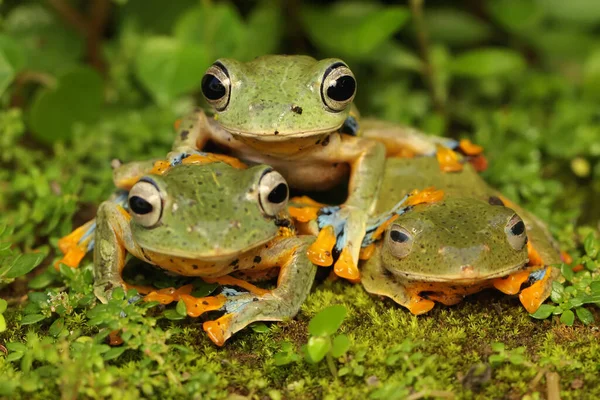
[145,203]
[216,86]
[516,232]
[399,241]
[338,87]
[273,193]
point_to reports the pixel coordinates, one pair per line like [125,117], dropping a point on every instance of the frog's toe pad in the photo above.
[512,283]
[219,330]
[345,267]
[320,252]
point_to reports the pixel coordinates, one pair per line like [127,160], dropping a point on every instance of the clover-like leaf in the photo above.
[543,312]
[181,308]
[3,305]
[567,318]
[317,348]
[340,346]
[2,323]
[327,321]
[584,315]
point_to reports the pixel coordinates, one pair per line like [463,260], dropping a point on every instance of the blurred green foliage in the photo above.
[86,81]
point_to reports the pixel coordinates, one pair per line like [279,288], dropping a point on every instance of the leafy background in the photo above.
[83,82]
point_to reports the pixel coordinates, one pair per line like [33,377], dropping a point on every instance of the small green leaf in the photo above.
[584,315]
[543,312]
[591,245]
[259,327]
[327,321]
[496,359]
[169,68]
[341,344]
[77,98]
[56,327]
[2,323]
[558,292]
[567,318]
[173,315]
[118,293]
[203,289]
[517,16]
[113,353]
[595,287]
[488,62]
[498,347]
[24,264]
[317,348]
[3,305]
[14,356]
[181,308]
[516,359]
[567,272]
[32,319]
[42,280]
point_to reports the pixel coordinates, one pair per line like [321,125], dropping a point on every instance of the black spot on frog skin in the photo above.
[234,263]
[276,133]
[297,110]
[184,134]
[325,141]
[194,266]
[257,259]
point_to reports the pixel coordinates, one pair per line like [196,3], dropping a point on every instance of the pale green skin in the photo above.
[266,89]
[463,229]
[211,226]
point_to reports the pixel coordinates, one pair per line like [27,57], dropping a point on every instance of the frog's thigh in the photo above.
[376,281]
[294,283]
[112,231]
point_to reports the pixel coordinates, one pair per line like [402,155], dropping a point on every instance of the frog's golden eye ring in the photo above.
[216,86]
[338,87]
[273,193]
[145,203]
[400,241]
[515,232]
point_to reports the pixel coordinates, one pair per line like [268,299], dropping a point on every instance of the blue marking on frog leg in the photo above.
[448,143]
[537,275]
[179,157]
[330,216]
[374,223]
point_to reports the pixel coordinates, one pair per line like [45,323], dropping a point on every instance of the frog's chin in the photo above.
[275,135]
[467,276]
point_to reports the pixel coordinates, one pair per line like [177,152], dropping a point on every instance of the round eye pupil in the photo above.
[139,205]
[398,237]
[518,228]
[279,194]
[212,87]
[342,88]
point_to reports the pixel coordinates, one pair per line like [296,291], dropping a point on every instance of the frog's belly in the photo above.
[314,176]
[191,267]
[446,293]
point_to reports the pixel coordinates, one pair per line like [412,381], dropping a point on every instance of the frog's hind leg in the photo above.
[541,288]
[293,285]
[376,280]
[75,245]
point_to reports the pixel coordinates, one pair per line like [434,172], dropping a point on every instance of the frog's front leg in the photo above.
[376,280]
[293,285]
[367,161]
[112,242]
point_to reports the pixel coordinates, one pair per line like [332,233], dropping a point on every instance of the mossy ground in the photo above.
[459,338]
[80,87]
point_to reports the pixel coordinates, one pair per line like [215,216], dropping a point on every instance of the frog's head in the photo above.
[462,240]
[209,211]
[280,97]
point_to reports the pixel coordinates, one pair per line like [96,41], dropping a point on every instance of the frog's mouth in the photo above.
[276,135]
[468,275]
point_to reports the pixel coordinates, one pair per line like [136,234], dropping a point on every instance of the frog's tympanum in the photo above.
[466,240]
[294,113]
[212,221]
